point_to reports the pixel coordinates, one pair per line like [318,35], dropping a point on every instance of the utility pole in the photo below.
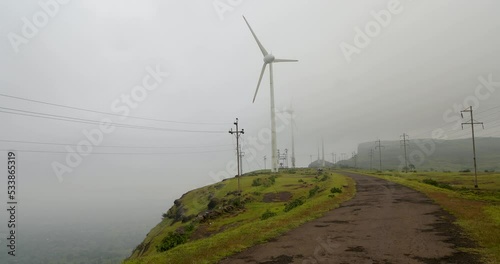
[311,156]
[279,159]
[472,123]
[265,158]
[286,158]
[333,158]
[283,159]
[403,141]
[371,158]
[322,153]
[355,159]
[238,134]
[292,126]
[318,156]
[379,153]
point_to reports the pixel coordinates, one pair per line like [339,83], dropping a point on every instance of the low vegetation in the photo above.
[477,210]
[295,203]
[210,223]
[267,214]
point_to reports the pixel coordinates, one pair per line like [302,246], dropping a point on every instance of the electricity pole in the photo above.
[286,158]
[322,153]
[265,162]
[403,141]
[311,156]
[379,153]
[472,123]
[318,155]
[238,133]
[371,158]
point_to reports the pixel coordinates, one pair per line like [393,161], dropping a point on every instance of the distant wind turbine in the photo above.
[293,126]
[269,59]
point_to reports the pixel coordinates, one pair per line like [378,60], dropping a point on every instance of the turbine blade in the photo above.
[284,60]
[262,49]
[260,79]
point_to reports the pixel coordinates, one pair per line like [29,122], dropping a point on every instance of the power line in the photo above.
[121,153]
[486,110]
[447,124]
[106,113]
[94,122]
[109,146]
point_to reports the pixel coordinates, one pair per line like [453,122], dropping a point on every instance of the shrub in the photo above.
[236,202]
[189,228]
[267,214]
[437,184]
[172,240]
[324,178]
[267,182]
[295,203]
[257,182]
[335,190]
[213,203]
[313,191]
[430,181]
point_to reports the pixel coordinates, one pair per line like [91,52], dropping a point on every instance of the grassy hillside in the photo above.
[477,210]
[207,224]
[427,154]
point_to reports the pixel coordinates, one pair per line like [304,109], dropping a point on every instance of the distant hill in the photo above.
[319,164]
[427,154]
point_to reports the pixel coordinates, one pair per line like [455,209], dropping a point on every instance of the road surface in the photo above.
[384,223]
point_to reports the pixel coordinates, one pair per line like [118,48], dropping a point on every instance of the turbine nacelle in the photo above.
[269,58]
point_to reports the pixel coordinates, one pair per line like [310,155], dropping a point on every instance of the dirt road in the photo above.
[384,223]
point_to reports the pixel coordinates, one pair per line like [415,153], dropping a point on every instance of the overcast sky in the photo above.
[411,74]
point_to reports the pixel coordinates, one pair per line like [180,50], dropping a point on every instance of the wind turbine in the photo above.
[293,126]
[269,59]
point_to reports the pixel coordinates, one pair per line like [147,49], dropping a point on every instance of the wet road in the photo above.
[384,223]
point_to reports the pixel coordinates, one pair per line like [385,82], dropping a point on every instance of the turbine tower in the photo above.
[293,125]
[269,59]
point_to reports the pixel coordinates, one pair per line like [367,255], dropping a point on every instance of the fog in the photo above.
[412,73]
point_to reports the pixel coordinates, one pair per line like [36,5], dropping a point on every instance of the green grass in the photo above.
[477,210]
[235,232]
